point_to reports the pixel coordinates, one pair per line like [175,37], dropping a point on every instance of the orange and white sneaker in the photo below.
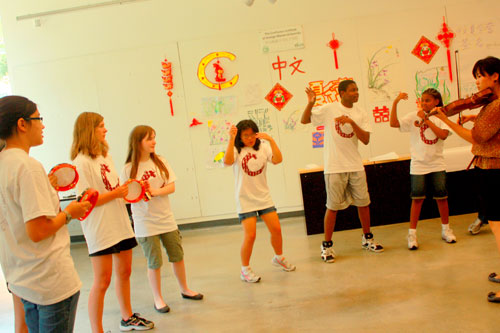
[281,262]
[248,275]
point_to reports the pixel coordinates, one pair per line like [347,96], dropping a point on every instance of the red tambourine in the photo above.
[67,176]
[136,191]
[91,196]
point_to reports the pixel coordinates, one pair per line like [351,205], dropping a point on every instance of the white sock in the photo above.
[245,268]
[278,257]
[412,231]
[445,226]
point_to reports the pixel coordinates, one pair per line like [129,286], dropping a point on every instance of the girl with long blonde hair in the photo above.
[107,230]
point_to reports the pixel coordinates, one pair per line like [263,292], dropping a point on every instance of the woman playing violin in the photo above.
[485,139]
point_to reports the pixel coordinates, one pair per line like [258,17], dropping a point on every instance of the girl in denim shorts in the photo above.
[154,221]
[249,156]
[427,167]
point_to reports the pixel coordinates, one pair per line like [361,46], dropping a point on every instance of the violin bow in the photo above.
[457,70]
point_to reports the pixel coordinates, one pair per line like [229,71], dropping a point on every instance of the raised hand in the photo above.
[311,95]
[232,132]
[402,95]
[264,136]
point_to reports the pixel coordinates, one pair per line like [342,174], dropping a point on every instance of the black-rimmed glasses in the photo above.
[33,118]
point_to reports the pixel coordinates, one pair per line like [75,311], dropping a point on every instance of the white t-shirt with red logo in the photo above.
[155,216]
[39,272]
[341,144]
[426,148]
[107,224]
[250,165]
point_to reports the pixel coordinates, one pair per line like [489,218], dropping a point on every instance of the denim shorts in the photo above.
[244,216]
[434,180]
[172,242]
[124,245]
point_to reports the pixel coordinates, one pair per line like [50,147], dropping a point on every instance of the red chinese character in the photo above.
[296,65]
[381,115]
[326,93]
[279,65]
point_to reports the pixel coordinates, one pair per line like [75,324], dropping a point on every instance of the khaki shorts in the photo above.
[345,189]
[172,242]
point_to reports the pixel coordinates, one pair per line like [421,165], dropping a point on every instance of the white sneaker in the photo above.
[249,276]
[448,236]
[475,227]
[283,264]
[412,242]
[327,253]
[368,243]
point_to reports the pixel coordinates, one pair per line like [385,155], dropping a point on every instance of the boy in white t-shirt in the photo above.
[345,177]
[427,165]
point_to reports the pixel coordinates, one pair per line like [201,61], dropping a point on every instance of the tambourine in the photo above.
[136,191]
[91,196]
[67,176]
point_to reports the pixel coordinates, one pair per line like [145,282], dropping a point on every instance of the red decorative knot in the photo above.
[334,44]
[424,138]
[244,165]
[445,36]
[341,133]
[105,169]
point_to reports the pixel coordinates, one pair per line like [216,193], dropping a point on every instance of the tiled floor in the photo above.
[438,288]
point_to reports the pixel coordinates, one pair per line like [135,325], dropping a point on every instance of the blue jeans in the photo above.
[57,318]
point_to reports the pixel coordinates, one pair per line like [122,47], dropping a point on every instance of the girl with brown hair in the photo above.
[154,221]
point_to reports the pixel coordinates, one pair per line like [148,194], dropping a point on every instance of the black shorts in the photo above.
[124,245]
[488,181]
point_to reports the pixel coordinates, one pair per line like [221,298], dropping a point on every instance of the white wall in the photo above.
[98,54]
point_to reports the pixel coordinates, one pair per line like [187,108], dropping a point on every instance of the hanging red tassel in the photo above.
[334,44]
[168,81]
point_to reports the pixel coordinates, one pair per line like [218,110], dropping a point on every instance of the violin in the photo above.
[478,99]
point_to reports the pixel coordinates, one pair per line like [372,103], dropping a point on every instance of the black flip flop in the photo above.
[493,298]
[492,278]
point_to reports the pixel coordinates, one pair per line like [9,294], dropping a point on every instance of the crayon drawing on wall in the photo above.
[433,78]
[383,72]
[215,159]
[218,106]
[218,131]
[261,117]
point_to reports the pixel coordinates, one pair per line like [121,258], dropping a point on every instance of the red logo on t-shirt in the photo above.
[244,165]
[105,169]
[424,138]
[148,174]
[341,133]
